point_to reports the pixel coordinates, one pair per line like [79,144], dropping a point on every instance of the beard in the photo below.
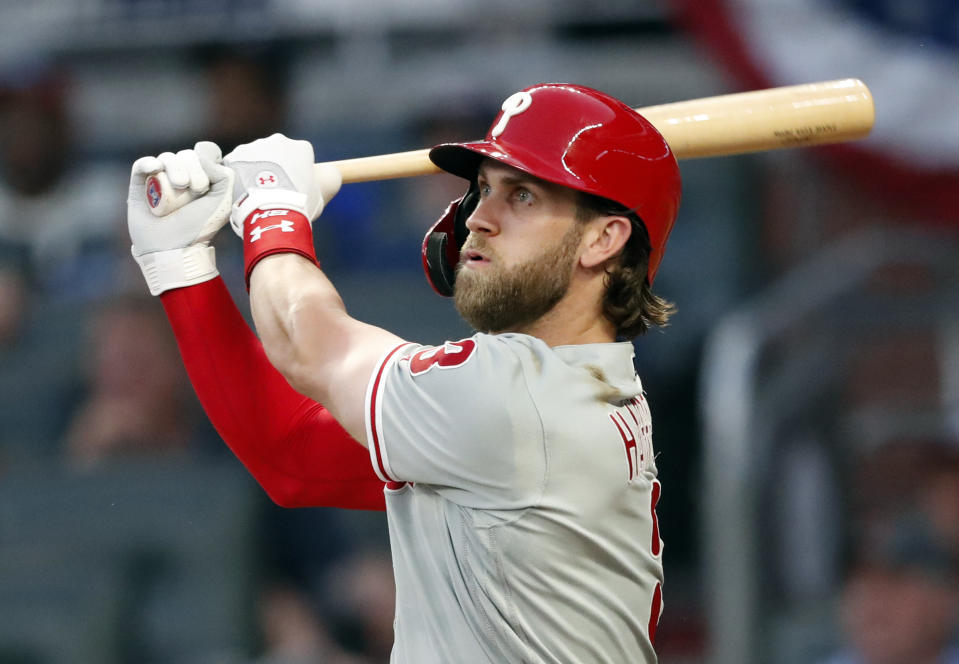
[502,299]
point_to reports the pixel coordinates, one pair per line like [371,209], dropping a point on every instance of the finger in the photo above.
[190,161]
[302,149]
[176,171]
[208,150]
[145,166]
[307,149]
[217,173]
[210,157]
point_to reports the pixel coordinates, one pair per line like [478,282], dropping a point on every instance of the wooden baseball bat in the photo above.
[784,117]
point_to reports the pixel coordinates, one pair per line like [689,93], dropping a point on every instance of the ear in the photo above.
[604,239]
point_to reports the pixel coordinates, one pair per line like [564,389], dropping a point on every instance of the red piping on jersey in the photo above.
[654,612]
[374,393]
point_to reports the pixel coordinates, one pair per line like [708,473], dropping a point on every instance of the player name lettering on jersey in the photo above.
[632,422]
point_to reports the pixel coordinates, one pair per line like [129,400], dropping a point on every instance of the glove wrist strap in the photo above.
[176,268]
[275,231]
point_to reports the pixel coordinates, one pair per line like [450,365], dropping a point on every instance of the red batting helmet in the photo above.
[572,136]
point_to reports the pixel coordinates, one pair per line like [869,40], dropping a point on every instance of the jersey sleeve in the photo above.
[290,444]
[460,418]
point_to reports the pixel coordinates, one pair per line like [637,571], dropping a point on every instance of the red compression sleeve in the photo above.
[293,447]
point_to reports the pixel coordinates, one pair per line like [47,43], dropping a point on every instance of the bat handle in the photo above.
[163,198]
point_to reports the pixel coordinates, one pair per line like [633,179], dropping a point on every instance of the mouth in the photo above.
[473,258]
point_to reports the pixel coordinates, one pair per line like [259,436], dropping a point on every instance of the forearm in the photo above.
[296,310]
[309,337]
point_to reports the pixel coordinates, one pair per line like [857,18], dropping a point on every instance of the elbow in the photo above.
[350,494]
[298,371]
[288,496]
[304,378]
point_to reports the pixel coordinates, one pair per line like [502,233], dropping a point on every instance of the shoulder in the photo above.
[474,382]
[486,355]
[435,414]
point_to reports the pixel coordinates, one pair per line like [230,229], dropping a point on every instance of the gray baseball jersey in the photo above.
[521,501]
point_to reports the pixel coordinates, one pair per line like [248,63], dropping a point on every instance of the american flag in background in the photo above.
[906,51]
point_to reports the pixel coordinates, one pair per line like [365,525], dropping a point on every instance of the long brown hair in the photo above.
[629,303]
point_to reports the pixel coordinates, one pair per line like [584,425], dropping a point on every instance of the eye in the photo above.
[484,189]
[524,195]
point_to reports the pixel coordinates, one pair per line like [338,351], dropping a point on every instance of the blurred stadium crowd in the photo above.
[805,397]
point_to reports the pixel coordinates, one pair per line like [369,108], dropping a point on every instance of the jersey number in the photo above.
[450,354]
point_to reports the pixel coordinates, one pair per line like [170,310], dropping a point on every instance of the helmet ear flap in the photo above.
[440,255]
[467,204]
[438,270]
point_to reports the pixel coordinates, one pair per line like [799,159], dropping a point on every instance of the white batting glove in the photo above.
[279,194]
[174,250]
[278,172]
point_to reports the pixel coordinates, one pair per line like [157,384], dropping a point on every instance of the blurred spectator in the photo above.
[899,602]
[247,93]
[51,200]
[361,594]
[940,495]
[12,305]
[14,293]
[38,368]
[137,400]
[313,553]
[905,475]
[293,632]
[901,599]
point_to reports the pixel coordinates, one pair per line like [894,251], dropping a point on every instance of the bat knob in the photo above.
[162,197]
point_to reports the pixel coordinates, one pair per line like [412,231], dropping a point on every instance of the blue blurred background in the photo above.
[805,398]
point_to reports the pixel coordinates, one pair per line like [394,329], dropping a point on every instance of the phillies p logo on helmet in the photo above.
[515,104]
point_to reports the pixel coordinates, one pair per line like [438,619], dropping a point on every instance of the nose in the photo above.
[482,220]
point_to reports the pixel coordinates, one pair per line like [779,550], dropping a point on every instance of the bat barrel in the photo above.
[785,117]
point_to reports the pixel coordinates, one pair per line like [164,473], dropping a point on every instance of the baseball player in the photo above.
[516,466]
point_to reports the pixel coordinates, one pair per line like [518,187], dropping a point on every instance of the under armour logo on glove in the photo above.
[266,179]
[285,226]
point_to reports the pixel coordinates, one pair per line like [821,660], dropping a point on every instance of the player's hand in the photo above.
[174,250]
[278,173]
